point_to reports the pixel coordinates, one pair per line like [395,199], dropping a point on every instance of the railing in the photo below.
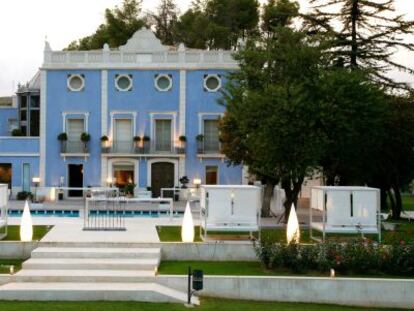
[146,148]
[74,147]
[203,148]
[3,210]
[108,214]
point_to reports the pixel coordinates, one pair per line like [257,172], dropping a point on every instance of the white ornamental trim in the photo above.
[212,76]
[77,76]
[158,77]
[121,76]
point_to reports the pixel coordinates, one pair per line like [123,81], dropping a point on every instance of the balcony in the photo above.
[207,150]
[143,148]
[73,148]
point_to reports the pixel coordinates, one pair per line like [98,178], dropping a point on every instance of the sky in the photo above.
[25,24]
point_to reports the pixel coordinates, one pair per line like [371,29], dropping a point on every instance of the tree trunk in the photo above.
[292,189]
[267,197]
[384,203]
[396,211]
[354,43]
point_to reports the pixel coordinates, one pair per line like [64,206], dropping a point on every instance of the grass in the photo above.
[6,263]
[408,202]
[245,268]
[13,233]
[405,231]
[207,304]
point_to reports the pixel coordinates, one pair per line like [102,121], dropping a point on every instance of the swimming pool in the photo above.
[75,213]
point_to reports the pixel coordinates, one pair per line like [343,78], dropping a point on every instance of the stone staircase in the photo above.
[83,272]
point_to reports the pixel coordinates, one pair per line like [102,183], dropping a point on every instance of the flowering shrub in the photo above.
[354,257]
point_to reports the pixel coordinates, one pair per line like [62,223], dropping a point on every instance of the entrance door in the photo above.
[123,135]
[75,180]
[6,174]
[162,176]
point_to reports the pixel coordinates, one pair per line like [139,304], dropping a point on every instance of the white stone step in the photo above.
[81,252]
[123,276]
[91,263]
[147,292]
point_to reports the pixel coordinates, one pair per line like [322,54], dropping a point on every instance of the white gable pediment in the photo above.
[143,41]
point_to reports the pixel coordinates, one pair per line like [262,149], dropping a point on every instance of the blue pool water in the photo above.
[75,213]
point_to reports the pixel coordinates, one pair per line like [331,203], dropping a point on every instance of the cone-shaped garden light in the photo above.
[292,231]
[26,227]
[187,229]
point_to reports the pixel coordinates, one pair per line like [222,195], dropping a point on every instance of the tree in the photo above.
[270,123]
[239,17]
[164,21]
[368,35]
[218,24]
[120,24]
[354,112]
[395,162]
[278,13]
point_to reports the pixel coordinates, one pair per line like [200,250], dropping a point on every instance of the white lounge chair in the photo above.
[348,210]
[4,192]
[229,208]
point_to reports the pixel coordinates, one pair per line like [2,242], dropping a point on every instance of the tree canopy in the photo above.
[366,33]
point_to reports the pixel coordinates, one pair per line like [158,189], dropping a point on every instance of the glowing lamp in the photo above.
[187,228]
[36,180]
[332,274]
[26,226]
[109,180]
[292,231]
[197,182]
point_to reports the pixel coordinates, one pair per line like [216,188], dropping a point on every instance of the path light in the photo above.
[332,274]
[187,229]
[292,231]
[26,227]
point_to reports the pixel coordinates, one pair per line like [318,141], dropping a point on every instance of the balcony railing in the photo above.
[68,147]
[129,147]
[208,148]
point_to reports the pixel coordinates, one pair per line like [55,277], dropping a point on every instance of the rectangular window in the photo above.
[34,122]
[211,136]
[26,177]
[34,101]
[23,101]
[123,135]
[74,130]
[162,135]
[211,175]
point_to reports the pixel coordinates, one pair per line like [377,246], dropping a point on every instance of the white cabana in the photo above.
[3,210]
[234,208]
[346,210]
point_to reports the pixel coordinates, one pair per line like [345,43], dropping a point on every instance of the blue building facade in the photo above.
[144,114]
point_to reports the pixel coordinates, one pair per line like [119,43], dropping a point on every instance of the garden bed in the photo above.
[39,232]
[6,263]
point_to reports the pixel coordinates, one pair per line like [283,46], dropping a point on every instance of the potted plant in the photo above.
[184,182]
[62,137]
[85,138]
[104,143]
[137,142]
[146,140]
[17,132]
[200,143]
[129,189]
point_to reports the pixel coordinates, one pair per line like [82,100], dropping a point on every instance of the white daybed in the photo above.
[3,210]
[229,208]
[346,210]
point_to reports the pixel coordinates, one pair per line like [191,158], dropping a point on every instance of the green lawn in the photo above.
[14,233]
[207,304]
[408,202]
[405,231]
[226,268]
[5,263]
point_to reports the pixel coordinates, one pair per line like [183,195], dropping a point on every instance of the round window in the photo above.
[163,83]
[212,83]
[124,83]
[76,82]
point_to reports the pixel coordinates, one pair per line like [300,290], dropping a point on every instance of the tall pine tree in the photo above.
[165,21]
[369,33]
